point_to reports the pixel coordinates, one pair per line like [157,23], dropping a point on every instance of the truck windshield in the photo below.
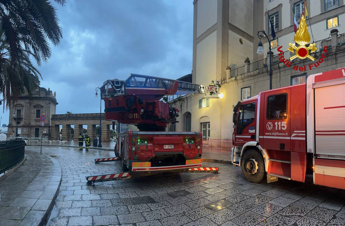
[246,117]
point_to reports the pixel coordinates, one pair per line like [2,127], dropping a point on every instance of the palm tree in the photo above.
[26,26]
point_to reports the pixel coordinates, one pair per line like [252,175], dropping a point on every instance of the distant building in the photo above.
[25,114]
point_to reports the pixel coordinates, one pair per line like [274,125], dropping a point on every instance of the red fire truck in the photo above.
[137,101]
[290,131]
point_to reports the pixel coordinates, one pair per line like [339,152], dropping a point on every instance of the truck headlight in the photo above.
[133,148]
[198,147]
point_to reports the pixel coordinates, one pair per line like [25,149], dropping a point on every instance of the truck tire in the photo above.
[253,167]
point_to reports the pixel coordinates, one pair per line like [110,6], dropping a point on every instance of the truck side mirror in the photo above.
[234,118]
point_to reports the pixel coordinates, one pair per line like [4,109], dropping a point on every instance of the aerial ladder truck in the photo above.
[137,101]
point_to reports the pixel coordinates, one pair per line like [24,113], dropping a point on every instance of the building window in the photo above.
[331,4]
[298,6]
[274,18]
[274,43]
[19,113]
[37,132]
[245,93]
[203,103]
[277,106]
[332,22]
[38,113]
[205,130]
[299,79]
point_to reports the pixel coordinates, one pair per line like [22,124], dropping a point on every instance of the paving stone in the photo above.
[109,196]
[252,192]
[138,208]
[341,213]
[217,197]
[33,218]
[155,215]
[4,222]
[332,205]
[249,219]
[174,210]
[178,201]
[222,204]
[149,223]
[322,214]
[80,220]
[100,203]
[90,197]
[117,210]
[267,209]
[337,222]
[121,202]
[273,193]
[175,220]
[70,212]
[81,204]
[105,220]
[294,211]
[81,192]
[307,203]
[202,221]
[20,202]
[223,216]
[13,213]
[42,205]
[159,205]
[31,194]
[59,221]
[198,213]
[131,218]
[306,221]
[91,211]
[282,201]
[142,200]
[230,223]
[64,204]
[72,198]
[197,195]
[197,203]
[214,190]
[236,198]
[279,220]
[180,193]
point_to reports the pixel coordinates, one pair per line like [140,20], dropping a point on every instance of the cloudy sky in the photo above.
[109,39]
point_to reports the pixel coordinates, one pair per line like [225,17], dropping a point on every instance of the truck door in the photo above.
[276,120]
[245,127]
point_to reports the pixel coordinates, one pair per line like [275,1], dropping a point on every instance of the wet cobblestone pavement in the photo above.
[186,198]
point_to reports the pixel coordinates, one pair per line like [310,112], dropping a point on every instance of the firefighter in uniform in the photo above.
[211,87]
[87,142]
[81,141]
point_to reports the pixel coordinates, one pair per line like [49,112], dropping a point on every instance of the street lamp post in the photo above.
[100,117]
[262,34]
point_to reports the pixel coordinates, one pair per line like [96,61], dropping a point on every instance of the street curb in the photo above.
[46,216]
[217,161]
[12,170]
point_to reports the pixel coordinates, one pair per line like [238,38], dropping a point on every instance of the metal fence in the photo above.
[11,153]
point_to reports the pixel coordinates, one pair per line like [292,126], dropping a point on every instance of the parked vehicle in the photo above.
[21,139]
[287,132]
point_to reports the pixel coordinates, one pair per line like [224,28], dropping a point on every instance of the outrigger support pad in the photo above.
[109,177]
[204,170]
[107,159]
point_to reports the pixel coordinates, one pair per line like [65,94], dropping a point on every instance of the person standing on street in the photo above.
[87,142]
[81,141]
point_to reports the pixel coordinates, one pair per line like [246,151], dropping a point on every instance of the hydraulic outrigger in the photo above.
[137,101]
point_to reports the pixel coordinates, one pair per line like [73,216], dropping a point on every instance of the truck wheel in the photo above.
[253,166]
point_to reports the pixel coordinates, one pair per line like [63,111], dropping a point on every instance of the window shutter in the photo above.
[207,102]
[200,103]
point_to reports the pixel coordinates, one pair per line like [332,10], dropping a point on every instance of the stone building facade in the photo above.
[225,35]
[25,115]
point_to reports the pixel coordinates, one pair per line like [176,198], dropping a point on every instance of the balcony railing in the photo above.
[263,63]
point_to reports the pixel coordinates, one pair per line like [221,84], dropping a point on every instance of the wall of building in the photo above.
[206,15]
[238,51]
[206,59]
[241,15]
